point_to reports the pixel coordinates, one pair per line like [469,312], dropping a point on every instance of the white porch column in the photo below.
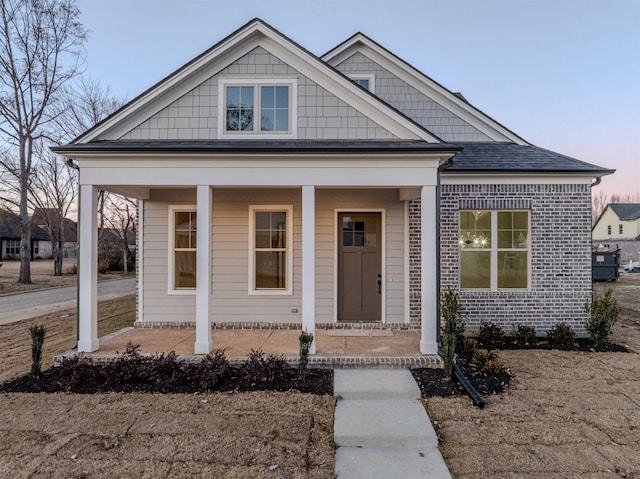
[309,262]
[428,228]
[203,343]
[88,270]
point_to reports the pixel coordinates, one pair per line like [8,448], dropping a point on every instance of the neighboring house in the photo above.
[618,221]
[276,187]
[10,227]
[41,216]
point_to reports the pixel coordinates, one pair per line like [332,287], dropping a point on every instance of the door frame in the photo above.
[383,263]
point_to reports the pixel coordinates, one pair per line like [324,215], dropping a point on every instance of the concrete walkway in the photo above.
[382,429]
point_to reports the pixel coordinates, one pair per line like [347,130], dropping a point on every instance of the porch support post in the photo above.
[203,343]
[309,262]
[429,282]
[88,270]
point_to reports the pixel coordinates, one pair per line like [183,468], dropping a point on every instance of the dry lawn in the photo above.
[570,415]
[239,435]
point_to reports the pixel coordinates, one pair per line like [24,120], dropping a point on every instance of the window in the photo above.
[36,247]
[366,81]
[12,247]
[609,230]
[182,264]
[264,107]
[270,250]
[620,229]
[494,249]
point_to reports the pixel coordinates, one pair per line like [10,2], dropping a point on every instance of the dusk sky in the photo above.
[564,75]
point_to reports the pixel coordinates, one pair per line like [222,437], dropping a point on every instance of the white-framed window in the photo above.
[495,250]
[609,230]
[620,229]
[182,249]
[12,247]
[365,80]
[264,107]
[270,249]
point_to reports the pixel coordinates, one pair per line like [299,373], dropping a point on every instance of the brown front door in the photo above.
[359,267]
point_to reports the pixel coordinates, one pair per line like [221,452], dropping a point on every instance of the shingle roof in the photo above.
[505,157]
[10,227]
[626,211]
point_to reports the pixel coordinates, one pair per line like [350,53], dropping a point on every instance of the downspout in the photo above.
[71,164]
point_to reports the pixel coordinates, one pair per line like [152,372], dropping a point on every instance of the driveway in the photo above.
[21,306]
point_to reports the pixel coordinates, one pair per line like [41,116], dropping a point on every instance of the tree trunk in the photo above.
[57,243]
[25,222]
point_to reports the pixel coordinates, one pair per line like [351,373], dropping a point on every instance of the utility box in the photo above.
[605,265]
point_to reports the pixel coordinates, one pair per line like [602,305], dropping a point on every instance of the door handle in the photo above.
[379,283]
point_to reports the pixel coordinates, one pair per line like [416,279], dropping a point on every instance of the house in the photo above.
[44,216]
[619,227]
[10,226]
[278,188]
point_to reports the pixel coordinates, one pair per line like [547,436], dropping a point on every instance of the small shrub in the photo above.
[494,366]
[481,356]
[306,340]
[491,335]
[265,369]
[452,327]
[469,345]
[524,334]
[212,369]
[73,269]
[37,341]
[163,370]
[603,314]
[76,371]
[129,367]
[103,267]
[561,335]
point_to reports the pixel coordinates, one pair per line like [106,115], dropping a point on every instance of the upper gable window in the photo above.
[261,107]
[366,81]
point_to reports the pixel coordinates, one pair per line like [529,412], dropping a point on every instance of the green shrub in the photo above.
[561,335]
[37,341]
[603,314]
[524,334]
[306,340]
[491,335]
[452,327]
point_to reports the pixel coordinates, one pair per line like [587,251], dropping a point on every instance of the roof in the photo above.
[10,227]
[260,146]
[510,157]
[40,216]
[626,211]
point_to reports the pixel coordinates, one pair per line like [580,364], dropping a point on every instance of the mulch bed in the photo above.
[584,345]
[318,381]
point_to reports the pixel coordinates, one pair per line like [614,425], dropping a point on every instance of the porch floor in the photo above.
[334,348]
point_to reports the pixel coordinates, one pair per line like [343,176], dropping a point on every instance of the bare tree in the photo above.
[121,216]
[41,48]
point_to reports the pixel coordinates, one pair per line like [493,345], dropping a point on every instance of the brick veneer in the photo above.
[560,255]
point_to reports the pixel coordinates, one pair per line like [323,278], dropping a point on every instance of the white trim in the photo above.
[480,178]
[309,263]
[494,266]
[140,256]
[252,291]
[88,270]
[429,271]
[292,83]
[203,270]
[383,258]
[171,290]
[365,76]
[407,261]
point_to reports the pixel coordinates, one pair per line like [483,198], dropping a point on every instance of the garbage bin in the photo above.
[605,265]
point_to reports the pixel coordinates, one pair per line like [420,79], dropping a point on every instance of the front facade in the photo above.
[279,189]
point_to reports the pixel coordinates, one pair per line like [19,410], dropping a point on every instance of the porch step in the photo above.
[384,463]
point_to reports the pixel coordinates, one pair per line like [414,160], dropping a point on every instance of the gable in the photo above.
[320,114]
[173,96]
[412,102]
[466,117]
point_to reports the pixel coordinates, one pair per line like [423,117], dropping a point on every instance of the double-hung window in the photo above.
[494,249]
[270,249]
[264,107]
[12,247]
[182,249]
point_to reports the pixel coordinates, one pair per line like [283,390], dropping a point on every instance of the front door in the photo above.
[359,266]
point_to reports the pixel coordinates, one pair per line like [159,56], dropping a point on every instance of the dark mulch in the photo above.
[433,382]
[318,381]
[584,345]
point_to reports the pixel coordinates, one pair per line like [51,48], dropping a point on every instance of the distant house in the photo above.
[10,238]
[619,221]
[42,216]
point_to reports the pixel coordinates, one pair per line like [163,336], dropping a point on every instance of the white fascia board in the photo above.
[422,83]
[511,178]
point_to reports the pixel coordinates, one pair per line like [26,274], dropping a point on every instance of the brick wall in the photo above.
[560,255]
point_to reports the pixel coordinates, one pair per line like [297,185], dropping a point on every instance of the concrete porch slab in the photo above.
[359,333]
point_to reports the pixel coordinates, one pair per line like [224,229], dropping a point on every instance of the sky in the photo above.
[563,74]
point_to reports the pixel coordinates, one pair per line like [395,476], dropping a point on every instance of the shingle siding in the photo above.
[560,282]
[321,115]
[417,106]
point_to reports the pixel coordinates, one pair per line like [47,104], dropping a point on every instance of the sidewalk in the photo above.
[382,429]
